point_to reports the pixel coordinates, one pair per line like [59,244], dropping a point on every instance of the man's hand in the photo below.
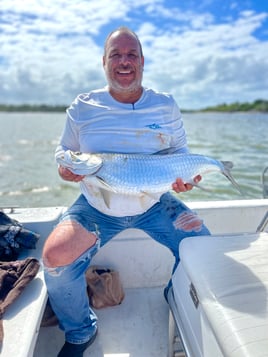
[179,186]
[68,175]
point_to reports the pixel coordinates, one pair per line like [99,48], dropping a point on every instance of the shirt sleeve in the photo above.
[179,140]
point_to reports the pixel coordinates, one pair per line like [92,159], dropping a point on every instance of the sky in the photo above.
[203,52]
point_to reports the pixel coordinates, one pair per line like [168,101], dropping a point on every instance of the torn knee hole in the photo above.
[188,221]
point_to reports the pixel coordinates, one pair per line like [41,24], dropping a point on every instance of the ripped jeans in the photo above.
[168,222]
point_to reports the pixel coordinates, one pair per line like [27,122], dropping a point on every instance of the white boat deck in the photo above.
[136,328]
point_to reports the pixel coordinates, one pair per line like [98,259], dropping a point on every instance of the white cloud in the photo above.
[219,63]
[51,50]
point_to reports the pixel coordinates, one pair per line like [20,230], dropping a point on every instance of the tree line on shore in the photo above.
[258,105]
[32,108]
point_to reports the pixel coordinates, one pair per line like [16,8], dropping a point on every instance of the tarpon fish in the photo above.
[135,174]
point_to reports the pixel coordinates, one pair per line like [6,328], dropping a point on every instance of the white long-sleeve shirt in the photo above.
[96,122]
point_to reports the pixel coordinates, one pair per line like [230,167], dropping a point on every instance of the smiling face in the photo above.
[123,64]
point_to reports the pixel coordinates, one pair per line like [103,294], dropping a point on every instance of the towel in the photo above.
[14,277]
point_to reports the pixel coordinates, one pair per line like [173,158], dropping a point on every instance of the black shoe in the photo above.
[75,350]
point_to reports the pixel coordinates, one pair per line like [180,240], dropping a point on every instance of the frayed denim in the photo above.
[69,300]
[168,222]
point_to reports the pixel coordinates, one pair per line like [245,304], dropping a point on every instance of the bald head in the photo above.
[122,30]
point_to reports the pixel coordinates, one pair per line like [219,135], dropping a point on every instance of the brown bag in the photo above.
[104,287]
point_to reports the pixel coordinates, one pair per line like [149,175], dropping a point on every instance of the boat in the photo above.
[145,324]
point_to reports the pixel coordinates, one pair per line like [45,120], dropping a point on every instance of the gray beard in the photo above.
[116,87]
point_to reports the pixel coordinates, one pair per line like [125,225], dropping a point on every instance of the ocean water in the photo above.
[28,172]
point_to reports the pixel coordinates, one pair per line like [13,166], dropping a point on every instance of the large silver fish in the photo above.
[134,174]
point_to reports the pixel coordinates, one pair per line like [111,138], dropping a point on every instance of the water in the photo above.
[29,175]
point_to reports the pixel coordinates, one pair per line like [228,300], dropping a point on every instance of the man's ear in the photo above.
[103,61]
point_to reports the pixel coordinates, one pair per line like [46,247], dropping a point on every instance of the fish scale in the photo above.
[135,173]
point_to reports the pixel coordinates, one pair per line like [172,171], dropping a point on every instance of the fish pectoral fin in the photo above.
[151,195]
[106,197]
[144,202]
[105,185]
[105,190]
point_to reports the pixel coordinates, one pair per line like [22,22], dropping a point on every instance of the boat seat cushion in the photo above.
[230,277]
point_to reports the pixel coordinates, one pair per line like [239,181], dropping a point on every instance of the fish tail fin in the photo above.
[228,165]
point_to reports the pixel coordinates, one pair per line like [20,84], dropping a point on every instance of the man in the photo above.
[122,117]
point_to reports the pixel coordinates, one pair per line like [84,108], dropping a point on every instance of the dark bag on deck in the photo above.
[14,237]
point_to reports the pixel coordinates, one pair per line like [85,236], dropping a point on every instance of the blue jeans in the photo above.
[168,222]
